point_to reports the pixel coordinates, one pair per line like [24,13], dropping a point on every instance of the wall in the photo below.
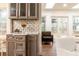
[69,13]
[6,7]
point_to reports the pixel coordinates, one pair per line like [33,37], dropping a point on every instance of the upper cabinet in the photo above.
[24,10]
[32,10]
[18,10]
[13,10]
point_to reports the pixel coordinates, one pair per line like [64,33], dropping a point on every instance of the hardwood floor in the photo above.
[3,54]
[48,50]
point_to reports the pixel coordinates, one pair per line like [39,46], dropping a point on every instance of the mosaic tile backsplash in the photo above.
[30,26]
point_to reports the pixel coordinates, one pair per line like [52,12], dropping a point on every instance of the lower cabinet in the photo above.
[11,49]
[22,45]
[31,46]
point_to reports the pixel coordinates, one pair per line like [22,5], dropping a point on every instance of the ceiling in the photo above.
[57,6]
[60,6]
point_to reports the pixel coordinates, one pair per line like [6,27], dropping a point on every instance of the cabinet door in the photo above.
[32,10]
[37,45]
[11,49]
[13,10]
[22,10]
[33,46]
[38,10]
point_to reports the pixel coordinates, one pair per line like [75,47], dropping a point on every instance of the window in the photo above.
[63,25]
[76,23]
[3,19]
[54,25]
[60,24]
[43,23]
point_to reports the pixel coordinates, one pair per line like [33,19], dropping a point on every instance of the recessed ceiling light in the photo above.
[76,6]
[49,5]
[64,5]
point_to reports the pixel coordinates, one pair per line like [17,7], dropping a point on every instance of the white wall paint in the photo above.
[8,22]
[70,14]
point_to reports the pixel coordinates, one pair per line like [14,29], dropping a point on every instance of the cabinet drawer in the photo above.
[20,46]
[19,38]
[20,53]
[10,38]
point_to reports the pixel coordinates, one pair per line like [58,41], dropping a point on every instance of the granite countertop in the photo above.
[24,34]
